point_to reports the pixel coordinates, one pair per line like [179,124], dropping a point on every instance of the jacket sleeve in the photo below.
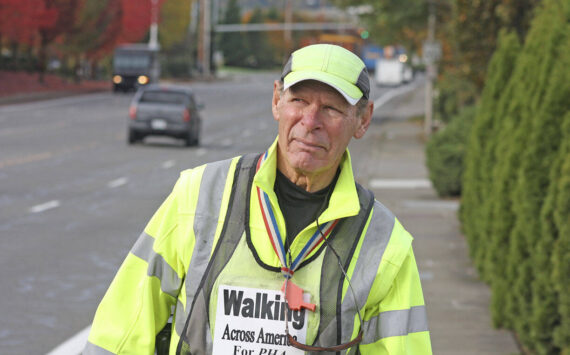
[396,323]
[139,300]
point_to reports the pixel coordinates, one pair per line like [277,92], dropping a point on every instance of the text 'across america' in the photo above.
[250,336]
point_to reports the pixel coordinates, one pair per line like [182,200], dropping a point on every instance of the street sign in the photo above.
[431,51]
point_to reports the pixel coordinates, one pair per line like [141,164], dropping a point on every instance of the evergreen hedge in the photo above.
[534,179]
[479,157]
[516,205]
[533,149]
[561,248]
[454,93]
[445,153]
[550,321]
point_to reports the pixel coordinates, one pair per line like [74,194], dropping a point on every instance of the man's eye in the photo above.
[332,108]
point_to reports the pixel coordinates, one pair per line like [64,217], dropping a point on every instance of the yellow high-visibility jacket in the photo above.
[170,269]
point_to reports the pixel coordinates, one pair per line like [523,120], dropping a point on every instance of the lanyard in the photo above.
[288,267]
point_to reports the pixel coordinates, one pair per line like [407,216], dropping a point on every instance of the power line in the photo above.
[298,26]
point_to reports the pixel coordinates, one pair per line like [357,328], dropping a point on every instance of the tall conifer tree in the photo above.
[478,160]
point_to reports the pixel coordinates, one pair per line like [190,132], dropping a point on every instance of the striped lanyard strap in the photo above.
[288,267]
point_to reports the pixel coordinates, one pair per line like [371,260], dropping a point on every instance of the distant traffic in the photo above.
[134,66]
[160,110]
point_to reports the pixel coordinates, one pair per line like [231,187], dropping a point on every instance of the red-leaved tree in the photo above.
[19,20]
[81,28]
[105,23]
[56,18]
[136,20]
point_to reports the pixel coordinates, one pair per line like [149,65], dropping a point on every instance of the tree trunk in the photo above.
[94,69]
[77,69]
[14,62]
[42,57]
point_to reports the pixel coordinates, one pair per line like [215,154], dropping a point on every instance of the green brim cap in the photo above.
[332,65]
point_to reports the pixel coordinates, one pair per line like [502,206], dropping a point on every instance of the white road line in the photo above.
[168,164]
[432,204]
[45,206]
[382,100]
[74,345]
[399,183]
[463,306]
[117,182]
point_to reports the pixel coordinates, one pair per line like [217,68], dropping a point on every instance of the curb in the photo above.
[46,95]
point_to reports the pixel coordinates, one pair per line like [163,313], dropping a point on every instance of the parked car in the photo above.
[165,111]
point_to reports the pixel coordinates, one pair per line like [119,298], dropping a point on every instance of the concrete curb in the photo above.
[45,95]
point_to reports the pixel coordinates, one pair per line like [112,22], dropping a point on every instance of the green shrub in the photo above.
[533,185]
[536,149]
[561,248]
[453,94]
[524,95]
[516,190]
[479,159]
[550,320]
[445,154]
[176,66]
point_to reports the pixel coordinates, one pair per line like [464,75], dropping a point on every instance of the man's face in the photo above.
[315,126]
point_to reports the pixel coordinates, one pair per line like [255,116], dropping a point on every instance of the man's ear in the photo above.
[364,120]
[275,100]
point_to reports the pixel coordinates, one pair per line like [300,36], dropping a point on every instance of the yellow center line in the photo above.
[26,159]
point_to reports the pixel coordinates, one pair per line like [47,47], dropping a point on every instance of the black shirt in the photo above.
[298,206]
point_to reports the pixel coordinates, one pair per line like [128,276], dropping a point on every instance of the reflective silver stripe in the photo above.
[205,223]
[395,323]
[371,252]
[198,334]
[169,281]
[92,349]
[179,318]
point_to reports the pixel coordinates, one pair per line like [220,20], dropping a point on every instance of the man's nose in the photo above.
[311,117]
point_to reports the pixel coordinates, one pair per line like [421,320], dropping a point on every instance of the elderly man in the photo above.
[277,253]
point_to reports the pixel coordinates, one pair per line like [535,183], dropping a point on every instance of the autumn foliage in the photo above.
[90,28]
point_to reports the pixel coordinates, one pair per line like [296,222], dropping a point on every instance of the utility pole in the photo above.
[204,38]
[153,38]
[429,57]
[287,32]
[192,36]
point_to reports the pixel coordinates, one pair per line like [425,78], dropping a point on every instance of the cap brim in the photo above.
[349,91]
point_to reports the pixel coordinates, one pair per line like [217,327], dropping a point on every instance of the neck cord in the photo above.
[341,269]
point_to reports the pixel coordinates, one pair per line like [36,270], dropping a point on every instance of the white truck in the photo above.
[392,72]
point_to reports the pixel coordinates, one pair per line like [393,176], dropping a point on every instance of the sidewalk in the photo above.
[457,302]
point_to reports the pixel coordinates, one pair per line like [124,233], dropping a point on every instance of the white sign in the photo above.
[158,124]
[431,51]
[251,321]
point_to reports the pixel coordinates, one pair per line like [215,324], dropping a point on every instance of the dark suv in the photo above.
[165,111]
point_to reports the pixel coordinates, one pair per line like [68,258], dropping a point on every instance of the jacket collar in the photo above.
[344,200]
